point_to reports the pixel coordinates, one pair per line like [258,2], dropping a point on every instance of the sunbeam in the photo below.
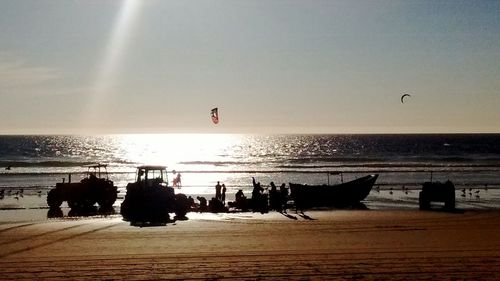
[113,55]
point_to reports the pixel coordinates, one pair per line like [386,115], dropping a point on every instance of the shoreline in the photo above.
[34,207]
[343,244]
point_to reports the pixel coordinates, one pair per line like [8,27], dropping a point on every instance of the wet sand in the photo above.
[324,245]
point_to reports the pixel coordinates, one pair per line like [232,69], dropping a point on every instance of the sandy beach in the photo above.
[322,245]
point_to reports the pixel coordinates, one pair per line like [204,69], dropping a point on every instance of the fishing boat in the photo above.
[339,196]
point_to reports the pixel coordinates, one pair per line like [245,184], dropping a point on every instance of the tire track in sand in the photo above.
[24,249]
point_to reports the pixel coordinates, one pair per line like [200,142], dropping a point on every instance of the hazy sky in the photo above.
[160,66]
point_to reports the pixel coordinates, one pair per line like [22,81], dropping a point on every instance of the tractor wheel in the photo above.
[107,199]
[450,204]
[54,199]
[73,204]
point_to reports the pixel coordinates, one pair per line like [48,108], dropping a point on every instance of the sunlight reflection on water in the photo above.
[172,149]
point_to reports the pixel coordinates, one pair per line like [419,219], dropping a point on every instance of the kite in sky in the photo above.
[403,96]
[215,115]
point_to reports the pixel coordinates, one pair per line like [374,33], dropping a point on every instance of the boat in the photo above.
[339,196]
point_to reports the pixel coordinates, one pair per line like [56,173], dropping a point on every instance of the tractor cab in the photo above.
[97,170]
[151,176]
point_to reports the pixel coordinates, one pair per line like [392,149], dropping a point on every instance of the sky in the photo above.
[160,66]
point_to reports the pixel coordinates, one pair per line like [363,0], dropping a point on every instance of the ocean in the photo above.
[31,165]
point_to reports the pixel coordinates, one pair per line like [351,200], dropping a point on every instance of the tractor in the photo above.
[437,192]
[149,199]
[96,187]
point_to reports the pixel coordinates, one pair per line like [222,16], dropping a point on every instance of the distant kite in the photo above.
[403,96]
[215,115]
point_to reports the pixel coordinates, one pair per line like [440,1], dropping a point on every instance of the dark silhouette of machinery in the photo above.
[94,188]
[149,199]
[437,192]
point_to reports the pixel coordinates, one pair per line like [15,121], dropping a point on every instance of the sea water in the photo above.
[31,165]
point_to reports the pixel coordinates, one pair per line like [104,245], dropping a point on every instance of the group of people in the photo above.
[217,203]
[277,198]
[220,192]
[262,200]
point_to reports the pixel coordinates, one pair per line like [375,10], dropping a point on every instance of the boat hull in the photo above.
[339,196]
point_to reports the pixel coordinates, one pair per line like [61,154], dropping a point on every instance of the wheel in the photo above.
[73,204]
[54,199]
[450,204]
[107,199]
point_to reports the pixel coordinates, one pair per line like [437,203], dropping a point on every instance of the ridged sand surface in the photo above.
[323,245]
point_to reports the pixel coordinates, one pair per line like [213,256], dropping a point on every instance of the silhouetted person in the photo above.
[274,198]
[191,202]
[177,181]
[257,189]
[239,195]
[257,196]
[203,203]
[283,196]
[139,175]
[218,188]
[8,167]
[216,206]
[223,195]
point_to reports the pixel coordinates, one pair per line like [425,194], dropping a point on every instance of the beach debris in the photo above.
[404,96]
[214,114]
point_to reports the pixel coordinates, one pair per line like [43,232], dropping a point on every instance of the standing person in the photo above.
[258,203]
[257,189]
[274,198]
[218,191]
[223,197]
[284,196]
[177,180]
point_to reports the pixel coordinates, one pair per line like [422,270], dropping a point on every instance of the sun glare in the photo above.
[172,149]
[180,152]
[114,52]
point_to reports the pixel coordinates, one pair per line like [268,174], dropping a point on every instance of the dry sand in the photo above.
[325,245]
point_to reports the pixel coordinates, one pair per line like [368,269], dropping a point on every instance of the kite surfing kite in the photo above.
[403,97]
[215,115]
